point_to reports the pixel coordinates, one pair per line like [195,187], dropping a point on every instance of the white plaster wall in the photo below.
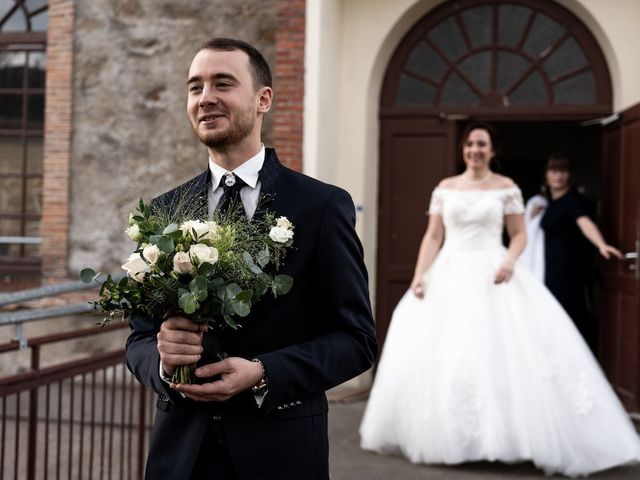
[349,44]
[616,26]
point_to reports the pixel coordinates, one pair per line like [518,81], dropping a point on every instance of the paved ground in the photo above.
[348,462]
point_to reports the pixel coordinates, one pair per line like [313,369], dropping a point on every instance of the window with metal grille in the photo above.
[23,27]
[474,55]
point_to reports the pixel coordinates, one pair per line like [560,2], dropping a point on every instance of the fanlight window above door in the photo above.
[496,54]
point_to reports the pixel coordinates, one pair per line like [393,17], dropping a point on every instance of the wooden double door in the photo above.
[416,152]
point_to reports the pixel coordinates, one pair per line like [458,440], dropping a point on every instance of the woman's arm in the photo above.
[429,247]
[591,231]
[517,242]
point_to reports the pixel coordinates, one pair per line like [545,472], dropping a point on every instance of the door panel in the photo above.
[415,154]
[620,305]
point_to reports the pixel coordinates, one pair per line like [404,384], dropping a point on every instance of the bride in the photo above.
[480,360]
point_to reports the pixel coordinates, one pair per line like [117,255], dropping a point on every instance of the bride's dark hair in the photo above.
[493,136]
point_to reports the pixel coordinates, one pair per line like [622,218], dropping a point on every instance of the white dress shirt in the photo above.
[248,172]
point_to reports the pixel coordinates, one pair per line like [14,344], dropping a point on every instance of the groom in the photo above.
[259,411]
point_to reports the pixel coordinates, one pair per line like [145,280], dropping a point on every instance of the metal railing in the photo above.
[84,417]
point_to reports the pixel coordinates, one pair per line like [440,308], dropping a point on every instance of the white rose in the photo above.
[199,227]
[213,234]
[201,253]
[134,232]
[182,263]
[151,253]
[136,267]
[280,234]
[283,222]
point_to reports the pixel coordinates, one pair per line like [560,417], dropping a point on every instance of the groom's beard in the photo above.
[237,131]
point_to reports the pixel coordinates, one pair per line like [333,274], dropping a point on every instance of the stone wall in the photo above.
[131,135]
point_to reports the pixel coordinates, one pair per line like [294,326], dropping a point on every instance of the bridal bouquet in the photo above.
[207,271]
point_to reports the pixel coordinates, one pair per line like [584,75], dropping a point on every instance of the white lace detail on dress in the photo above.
[581,395]
[435,206]
[465,404]
[513,203]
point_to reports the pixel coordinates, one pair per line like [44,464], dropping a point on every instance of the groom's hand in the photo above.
[236,375]
[179,342]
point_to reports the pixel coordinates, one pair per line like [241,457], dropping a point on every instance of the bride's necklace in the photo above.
[477,181]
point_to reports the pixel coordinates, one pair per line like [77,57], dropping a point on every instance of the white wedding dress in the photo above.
[478,371]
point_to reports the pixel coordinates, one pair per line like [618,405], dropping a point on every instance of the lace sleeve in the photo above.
[435,206]
[513,203]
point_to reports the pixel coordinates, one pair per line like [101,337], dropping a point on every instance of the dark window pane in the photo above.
[579,90]
[477,68]
[35,105]
[10,228]
[34,195]
[456,92]
[543,34]
[566,58]
[10,196]
[12,69]
[510,67]
[37,69]
[413,92]
[446,35]
[16,23]
[35,4]
[39,22]
[531,91]
[34,155]
[511,22]
[10,155]
[11,111]
[425,61]
[478,22]
[5,6]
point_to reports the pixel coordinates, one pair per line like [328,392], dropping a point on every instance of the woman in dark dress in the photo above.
[566,224]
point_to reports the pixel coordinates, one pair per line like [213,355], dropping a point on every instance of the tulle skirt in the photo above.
[478,371]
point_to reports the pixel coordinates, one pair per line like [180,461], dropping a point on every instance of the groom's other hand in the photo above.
[179,342]
[236,375]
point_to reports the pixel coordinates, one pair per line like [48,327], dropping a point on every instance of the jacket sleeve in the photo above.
[143,358]
[348,347]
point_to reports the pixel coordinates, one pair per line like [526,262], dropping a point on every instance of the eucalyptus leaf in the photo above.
[165,244]
[215,283]
[171,228]
[231,291]
[248,259]
[263,257]
[198,287]
[188,304]
[245,296]
[282,284]
[206,269]
[241,309]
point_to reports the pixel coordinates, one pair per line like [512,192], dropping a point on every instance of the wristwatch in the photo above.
[263,385]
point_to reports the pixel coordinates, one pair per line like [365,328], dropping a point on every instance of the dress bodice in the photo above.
[474,219]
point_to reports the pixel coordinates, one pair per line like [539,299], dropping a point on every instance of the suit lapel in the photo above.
[268,175]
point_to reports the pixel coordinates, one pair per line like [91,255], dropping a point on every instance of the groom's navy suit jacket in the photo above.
[318,335]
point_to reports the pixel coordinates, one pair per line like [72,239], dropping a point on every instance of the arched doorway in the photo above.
[524,61]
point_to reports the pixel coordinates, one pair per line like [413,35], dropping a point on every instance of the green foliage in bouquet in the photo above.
[207,271]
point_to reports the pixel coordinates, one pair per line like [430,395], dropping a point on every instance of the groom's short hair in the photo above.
[261,72]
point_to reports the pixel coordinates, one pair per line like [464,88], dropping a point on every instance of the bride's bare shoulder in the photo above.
[500,181]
